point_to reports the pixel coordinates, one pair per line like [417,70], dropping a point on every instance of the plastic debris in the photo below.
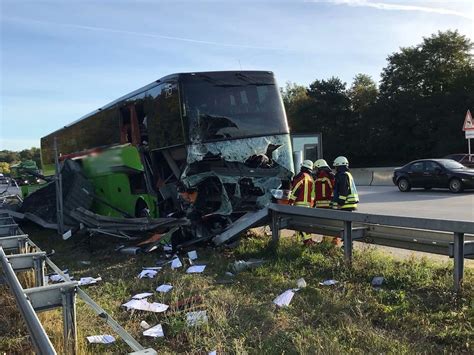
[147,273]
[377,281]
[285,298]
[101,339]
[176,263]
[301,283]
[139,296]
[196,318]
[241,265]
[192,255]
[213,352]
[131,250]
[167,247]
[58,278]
[328,282]
[144,305]
[85,262]
[228,273]
[145,325]
[67,235]
[89,280]
[195,269]
[155,332]
[164,288]
[157,268]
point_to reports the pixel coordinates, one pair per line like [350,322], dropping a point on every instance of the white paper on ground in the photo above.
[195,269]
[144,305]
[89,280]
[213,352]
[101,339]
[147,273]
[167,248]
[58,278]
[156,268]
[156,331]
[377,281]
[164,288]
[192,255]
[139,296]
[328,282]
[284,299]
[301,283]
[176,263]
[67,235]
[196,318]
[144,325]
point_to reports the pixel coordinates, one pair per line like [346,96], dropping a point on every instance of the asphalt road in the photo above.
[439,204]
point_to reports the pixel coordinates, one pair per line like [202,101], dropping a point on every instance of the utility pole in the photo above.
[59,190]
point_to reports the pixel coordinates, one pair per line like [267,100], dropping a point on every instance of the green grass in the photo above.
[414,312]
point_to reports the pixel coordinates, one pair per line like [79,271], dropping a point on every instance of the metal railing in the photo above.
[45,297]
[446,237]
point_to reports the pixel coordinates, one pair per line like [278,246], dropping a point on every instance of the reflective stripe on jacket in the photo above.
[302,190]
[323,188]
[345,191]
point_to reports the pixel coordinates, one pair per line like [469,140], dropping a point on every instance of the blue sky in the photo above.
[63,59]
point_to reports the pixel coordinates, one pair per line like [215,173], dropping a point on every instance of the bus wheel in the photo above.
[141,209]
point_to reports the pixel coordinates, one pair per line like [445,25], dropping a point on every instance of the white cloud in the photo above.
[400,7]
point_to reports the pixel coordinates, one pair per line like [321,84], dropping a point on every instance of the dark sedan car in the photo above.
[462,158]
[434,173]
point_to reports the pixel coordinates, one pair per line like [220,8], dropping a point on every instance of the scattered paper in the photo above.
[147,273]
[144,305]
[192,255]
[195,269]
[196,318]
[101,339]
[144,325]
[139,296]
[301,283]
[59,278]
[328,283]
[213,352]
[67,235]
[176,263]
[377,281]
[156,268]
[156,331]
[167,247]
[89,280]
[164,288]
[284,299]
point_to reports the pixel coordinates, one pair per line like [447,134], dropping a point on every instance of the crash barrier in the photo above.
[44,297]
[446,237]
[373,176]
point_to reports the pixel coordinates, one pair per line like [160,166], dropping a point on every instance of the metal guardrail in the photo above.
[446,237]
[45,297]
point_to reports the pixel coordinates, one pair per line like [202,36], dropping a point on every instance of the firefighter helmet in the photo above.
[321,163]
[341,161]
[308,164]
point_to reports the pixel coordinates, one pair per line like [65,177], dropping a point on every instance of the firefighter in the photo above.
[302,192]
[323,184]
[345,195]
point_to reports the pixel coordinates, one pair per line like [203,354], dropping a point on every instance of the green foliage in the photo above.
[425,91]
[12,157]
[4,167]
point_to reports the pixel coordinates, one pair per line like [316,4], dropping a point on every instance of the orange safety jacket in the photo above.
[302,190]
[323,188]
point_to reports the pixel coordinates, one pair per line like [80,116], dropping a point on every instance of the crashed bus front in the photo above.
[210,146]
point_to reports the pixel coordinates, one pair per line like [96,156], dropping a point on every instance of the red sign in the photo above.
[468,122]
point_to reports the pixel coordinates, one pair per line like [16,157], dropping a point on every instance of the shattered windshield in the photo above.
[220,106]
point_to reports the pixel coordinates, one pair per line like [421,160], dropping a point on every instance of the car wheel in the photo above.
[455,185]
[404,185]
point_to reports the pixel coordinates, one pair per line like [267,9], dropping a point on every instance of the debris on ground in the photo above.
[192,255]
[144,305]
[176,263]
[147,273]
[301,283]
[101,339]
[130,250]
[155,332]
[139,296]
[89,280]
[196,318]
[145,325]
[241,265]
[328,282]
[164,288]
[285,298]
[195,269]
[59,278]
[377,281]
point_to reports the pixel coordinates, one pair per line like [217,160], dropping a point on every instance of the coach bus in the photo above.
[203,144]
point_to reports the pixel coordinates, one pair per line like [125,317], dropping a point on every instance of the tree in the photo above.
[4,168]
[362,93]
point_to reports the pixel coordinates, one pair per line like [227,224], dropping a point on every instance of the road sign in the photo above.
[469,134]
[468,123]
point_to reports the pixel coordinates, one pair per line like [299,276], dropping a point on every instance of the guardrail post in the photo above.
[275,228]
[458,260]
[347,236]
[69,320]
[39,266]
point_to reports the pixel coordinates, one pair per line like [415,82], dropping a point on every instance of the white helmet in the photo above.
[321,163]
[308,164]
[341,161]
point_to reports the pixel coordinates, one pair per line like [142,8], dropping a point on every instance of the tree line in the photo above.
[415,112]
[8,158]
